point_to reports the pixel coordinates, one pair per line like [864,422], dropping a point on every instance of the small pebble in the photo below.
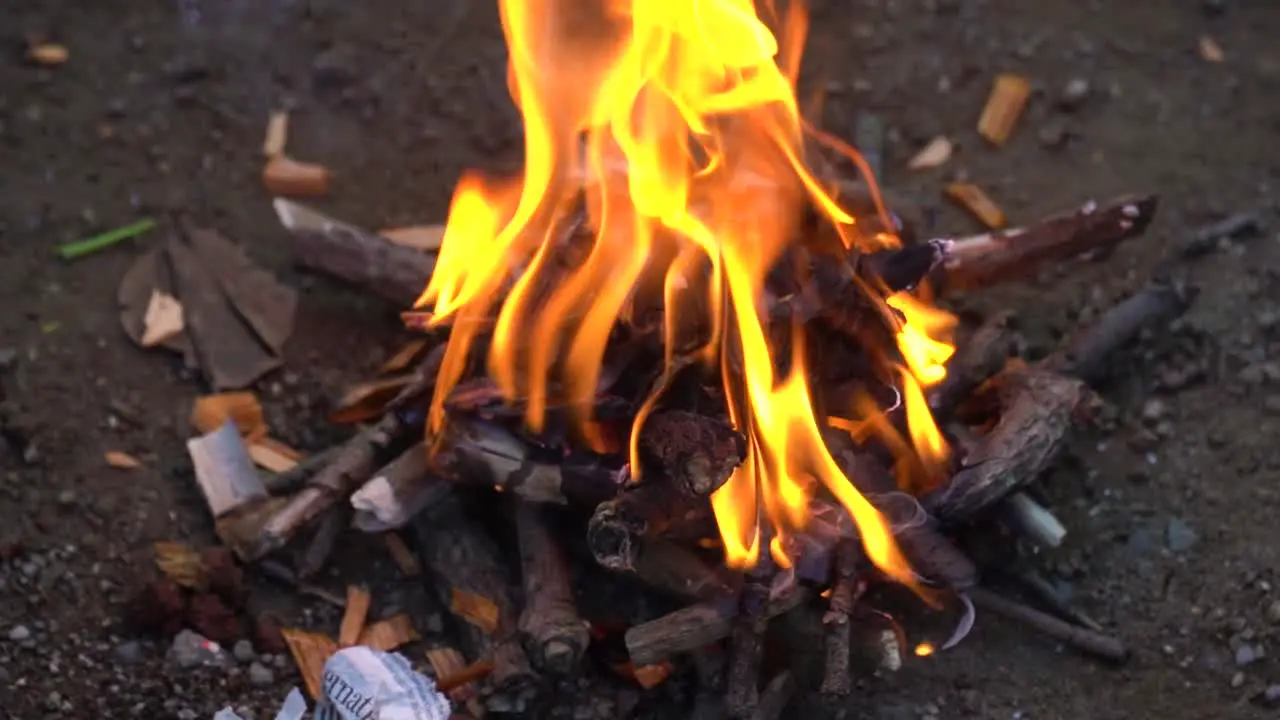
[19,633]
[1272,613]
[1237,680]
[1246,655]
[242,651]
[1178,535]
[128,653]
[1153,411]
[1074,93]
[260,675]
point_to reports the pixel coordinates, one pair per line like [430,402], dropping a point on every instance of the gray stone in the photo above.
[19,633]
[260,675]
[191,649]
[128,653]
[243,652]
[1074,93]
[1246,655]
[1179,536]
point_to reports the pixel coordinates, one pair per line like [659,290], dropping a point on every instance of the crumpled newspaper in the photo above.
[360,683]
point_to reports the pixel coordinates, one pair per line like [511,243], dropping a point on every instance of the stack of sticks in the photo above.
[1006,419]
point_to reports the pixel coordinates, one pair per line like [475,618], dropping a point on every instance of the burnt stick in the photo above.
[983,354]
[554,631]
[746,640]
[776,695]
[678,571]
[836,679]
[1088,641]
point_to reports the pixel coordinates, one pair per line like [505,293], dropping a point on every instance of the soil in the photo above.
[162,106]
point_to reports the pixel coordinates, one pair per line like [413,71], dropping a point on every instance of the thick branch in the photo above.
[555,633]
[689,629]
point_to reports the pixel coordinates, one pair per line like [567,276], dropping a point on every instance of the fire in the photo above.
[677,121]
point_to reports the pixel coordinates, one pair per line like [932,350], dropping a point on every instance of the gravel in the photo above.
[19,633]
[260,675]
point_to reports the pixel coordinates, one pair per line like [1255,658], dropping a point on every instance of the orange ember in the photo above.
[677,121]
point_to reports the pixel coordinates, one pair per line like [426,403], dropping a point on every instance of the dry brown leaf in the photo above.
[405,559]
[933,155]
[163,319]
[121,460]
[477,609]
[310,652]
[49,54]
[972,198]
[182,564]
[411,351]
[242,407]
[1210,50]
[387,635]
[284,176]
[426,238]
[277,134]
[1004,106]
[273,455]
[358,601]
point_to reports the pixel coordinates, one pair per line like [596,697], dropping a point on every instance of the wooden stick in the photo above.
[991,258]
[688,629]
[357,256]
[746,641]
[1038,408]
[462,559]
[359,458]
[836,679]
[1084,640]
[676,570]
[1086,354]
[556,633]
[296,477]
[1033,520]
[775,697]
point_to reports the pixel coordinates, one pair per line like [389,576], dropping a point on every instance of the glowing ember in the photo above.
[676,120]
[924,650]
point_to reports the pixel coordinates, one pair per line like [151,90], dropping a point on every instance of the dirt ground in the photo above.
[162,106]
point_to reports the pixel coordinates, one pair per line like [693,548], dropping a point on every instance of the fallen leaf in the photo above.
[933,155]
[387,635]
[1210,50]
[182,564]
[49,54]
[310,651]
[427,238]
[476,609]
[210,412]
[287,177]
[162,321]
[1004,106]
[121,460]
[277,134]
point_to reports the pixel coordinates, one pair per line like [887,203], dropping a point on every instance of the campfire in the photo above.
[681,349]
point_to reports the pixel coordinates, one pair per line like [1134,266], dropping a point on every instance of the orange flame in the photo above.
[676,120]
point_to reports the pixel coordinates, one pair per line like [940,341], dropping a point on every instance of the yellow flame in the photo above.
[676,121]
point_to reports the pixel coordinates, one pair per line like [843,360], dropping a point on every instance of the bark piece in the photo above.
[982,355]
[976,201]
[1038,408]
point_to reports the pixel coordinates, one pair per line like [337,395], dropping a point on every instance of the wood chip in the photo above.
[426,238]
[358,601]
[477,609]
[646,676]
[1005,105]
[368,400]
[49,54]
[273,455]
[242,408]
[403,556]
[121,460]
[403,357]
[933,155]
[162,321]
[310,652]
[224,471]
[182,564]
[454,676]
[973,199]
[1210,50]
[387,635]
[287,177]
[277,134]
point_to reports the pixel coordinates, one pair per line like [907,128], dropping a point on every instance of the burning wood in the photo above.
[730,387]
